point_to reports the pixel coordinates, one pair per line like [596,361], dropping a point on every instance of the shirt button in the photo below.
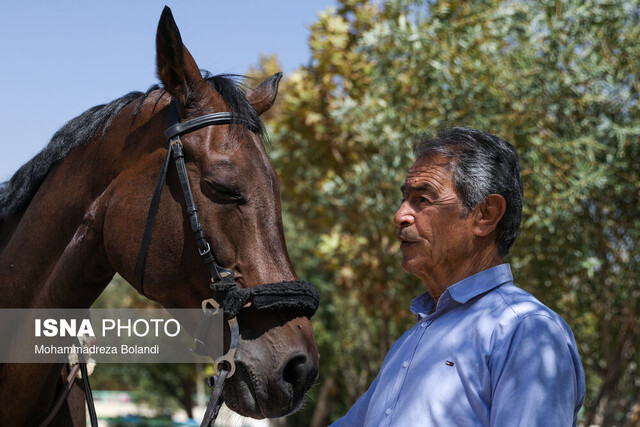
[405,364]
[423,324]
[388,411]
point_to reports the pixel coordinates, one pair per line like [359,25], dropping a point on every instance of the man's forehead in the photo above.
[425,170]
[439,161]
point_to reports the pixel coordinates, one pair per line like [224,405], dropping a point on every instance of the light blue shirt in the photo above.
[490,355]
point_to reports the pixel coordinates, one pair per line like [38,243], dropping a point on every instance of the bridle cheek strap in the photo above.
[175,149]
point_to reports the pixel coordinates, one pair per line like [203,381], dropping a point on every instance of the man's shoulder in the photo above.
[511,306]
[521,303]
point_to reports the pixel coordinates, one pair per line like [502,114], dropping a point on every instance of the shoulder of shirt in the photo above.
[519,304]
[515,309]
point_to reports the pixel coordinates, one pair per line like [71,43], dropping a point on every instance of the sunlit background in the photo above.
[558,79]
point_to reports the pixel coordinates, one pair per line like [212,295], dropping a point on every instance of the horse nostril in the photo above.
[300,373]
[293,372]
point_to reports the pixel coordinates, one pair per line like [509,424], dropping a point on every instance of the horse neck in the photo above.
[55,256]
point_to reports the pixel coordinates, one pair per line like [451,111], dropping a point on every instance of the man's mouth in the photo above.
[405,238]
[405,243]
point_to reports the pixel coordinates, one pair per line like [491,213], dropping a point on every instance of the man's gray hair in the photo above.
[483,164]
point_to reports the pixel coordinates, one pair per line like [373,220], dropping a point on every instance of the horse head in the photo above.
[237,195]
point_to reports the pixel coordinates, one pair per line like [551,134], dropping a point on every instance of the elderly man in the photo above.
[483,352]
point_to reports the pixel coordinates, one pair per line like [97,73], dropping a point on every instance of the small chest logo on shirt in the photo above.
[449,363]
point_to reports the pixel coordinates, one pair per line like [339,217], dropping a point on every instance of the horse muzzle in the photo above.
[257,395]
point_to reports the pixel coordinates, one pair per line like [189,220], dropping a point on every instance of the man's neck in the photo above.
[438,280]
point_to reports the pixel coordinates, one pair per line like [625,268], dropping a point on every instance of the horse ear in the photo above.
[263,97]
[176,67]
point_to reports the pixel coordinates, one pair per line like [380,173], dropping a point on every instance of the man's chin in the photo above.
[411,264]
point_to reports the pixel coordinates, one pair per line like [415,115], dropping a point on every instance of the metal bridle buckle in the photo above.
[206,251]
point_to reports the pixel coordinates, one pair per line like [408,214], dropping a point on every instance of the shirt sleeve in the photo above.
[537,377]
[358,412]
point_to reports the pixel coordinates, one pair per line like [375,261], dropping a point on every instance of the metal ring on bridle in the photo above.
[230,355]
[210,308]
[214,305]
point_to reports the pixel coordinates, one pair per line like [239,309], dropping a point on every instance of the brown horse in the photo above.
[74,216]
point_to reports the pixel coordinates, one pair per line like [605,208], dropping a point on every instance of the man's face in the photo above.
[434,230]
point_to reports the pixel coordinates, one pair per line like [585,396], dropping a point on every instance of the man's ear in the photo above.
[488,213]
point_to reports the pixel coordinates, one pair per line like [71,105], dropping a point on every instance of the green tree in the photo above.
[558,79]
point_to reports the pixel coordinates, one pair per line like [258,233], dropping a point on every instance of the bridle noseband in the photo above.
[294,295]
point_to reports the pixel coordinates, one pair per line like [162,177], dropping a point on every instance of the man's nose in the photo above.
[404,216]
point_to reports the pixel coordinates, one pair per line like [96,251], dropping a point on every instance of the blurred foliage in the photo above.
[163,387]
[558,79]
[122,295]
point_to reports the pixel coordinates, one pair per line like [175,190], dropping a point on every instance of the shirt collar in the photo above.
[465,289]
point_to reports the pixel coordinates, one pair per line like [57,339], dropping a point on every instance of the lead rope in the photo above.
[66,388]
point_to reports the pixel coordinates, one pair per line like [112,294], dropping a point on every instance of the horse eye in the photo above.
[225,194]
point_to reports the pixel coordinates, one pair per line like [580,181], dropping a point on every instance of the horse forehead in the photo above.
[235,155]
[239,146]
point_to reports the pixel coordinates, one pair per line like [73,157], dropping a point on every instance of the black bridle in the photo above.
[295,295]
[172,134]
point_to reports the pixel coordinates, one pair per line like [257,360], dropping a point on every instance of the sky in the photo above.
[61,57]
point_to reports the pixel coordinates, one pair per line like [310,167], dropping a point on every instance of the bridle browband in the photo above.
[294,295]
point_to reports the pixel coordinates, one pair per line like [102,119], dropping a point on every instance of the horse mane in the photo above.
[17,192]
